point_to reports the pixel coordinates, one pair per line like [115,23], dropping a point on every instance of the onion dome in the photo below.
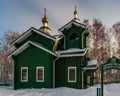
[76,15]
[45,21]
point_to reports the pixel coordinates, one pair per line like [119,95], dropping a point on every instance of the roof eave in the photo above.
[73,55]
[90,68]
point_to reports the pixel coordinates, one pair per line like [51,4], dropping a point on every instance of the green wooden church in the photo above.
[45,61]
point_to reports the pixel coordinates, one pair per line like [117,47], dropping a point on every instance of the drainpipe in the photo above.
[58,56]
[64,39]
[83,78]
[56,43]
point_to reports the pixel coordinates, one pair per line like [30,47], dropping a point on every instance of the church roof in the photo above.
[26,45]
[29,32]
[68,25]
[92,65]
[72,52]
[92,62]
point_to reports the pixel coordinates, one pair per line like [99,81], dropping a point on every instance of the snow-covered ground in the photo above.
[110,90]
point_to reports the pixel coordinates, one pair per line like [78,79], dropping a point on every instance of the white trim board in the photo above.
[89,68]
[29,32]
[23,47]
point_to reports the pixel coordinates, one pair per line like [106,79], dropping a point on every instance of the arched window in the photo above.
[74,37]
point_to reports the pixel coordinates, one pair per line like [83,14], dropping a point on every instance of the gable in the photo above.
[29,33]
[69,25]
[26,45]
[33,54]
[34,37]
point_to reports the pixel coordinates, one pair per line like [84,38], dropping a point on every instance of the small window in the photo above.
[40,74]
[24,74]
[74,37]
[71,74]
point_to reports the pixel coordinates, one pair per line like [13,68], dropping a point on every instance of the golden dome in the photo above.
[75,12]
[45,27]
[76,15]
[45,19]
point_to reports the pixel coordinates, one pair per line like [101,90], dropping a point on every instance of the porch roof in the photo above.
[72,52]
[92,65]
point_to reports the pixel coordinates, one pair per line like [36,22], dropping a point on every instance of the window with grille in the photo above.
[71,74]
[40,74]
[24,74]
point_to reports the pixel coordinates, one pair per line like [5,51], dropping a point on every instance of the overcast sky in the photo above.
[20,15]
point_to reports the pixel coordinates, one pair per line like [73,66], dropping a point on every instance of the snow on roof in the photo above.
[71,50]
[92,65]
[92,62]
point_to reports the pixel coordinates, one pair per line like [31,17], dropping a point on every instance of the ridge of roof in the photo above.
[72,22]
[29,32]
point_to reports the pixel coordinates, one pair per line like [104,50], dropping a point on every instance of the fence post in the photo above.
[98,91]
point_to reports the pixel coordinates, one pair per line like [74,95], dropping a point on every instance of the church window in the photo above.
[40,74]
[71,74]
[74,37]
[24,74]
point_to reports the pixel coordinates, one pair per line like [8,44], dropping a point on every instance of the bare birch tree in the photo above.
[6,48]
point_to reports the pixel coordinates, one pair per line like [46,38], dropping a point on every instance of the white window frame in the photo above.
[75,74]
[22,74]
[37,74]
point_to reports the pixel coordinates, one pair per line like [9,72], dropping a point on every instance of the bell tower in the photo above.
[75,33]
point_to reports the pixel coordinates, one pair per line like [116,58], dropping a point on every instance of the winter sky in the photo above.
[20,15]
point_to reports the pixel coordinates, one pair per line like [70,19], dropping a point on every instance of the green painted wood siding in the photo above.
[74,62]
[62,72]
[31,58]
[39,39]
